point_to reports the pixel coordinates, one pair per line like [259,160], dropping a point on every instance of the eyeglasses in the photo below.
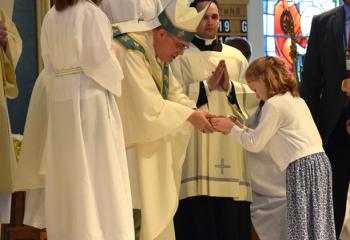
[178,44]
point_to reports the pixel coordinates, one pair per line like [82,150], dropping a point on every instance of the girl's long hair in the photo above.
[274,73]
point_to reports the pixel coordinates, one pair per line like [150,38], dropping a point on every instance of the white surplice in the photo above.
[207,153]
[73,149]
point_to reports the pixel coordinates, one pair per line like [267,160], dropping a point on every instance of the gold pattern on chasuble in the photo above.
[127,41]
[17,144]
[165,22]
[181,33]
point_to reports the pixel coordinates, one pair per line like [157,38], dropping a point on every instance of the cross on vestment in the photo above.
[222,166]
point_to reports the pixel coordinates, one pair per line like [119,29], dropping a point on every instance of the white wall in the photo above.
[255,27]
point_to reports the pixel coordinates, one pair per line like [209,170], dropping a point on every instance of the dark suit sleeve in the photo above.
[312,79]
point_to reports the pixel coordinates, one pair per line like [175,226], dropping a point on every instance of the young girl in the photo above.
[288,133]
[73,145]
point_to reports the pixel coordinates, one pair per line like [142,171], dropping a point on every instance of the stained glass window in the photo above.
[276,41]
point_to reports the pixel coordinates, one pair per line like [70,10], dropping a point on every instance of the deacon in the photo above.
[326,65]
[215,190]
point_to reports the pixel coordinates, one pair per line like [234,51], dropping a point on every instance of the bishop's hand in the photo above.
[199,119]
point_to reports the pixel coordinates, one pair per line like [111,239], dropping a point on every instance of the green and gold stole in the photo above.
[132,44]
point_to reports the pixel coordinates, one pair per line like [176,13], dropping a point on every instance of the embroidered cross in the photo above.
[222,166]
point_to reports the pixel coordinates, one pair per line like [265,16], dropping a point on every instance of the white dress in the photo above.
[269,207]
[73,145]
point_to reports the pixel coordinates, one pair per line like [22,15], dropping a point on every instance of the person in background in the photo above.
[215,189]
[157,116]
[10,51]
[242,44]
[288,133]
[326,65]
[73,162]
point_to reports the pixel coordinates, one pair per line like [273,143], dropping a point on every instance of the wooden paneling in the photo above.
[233,16]
[16,230]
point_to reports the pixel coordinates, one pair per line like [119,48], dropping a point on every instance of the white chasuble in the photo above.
[157,132]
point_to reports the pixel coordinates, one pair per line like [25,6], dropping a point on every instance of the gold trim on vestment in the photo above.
[67,71]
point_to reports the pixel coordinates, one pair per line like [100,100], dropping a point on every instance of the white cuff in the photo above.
[236,133]
[207,91]
[229,89]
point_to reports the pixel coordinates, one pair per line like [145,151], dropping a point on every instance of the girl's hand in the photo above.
[222,124]
[348,126]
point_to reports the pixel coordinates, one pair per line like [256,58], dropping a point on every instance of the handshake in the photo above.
[209,123]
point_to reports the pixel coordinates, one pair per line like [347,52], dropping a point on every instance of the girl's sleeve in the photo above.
[254,140]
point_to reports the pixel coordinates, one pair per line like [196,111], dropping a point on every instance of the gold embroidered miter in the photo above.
[175,16]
